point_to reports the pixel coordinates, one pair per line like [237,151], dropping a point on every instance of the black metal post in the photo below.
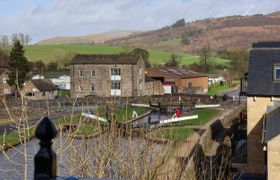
[45,160]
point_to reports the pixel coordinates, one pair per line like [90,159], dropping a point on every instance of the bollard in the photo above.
[45,160]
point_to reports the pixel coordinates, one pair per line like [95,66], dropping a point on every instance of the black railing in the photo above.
[243,85]
[45,160]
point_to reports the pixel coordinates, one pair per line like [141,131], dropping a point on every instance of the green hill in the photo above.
[46,53]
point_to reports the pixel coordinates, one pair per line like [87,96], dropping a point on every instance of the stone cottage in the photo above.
[39,89]
[107,75]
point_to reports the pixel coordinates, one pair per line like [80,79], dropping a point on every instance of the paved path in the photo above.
[33,120]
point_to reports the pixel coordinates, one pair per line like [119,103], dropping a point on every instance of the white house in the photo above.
[63,82]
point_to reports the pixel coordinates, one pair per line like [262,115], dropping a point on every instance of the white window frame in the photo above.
[81,73]
[115,71]
[115,85]
[275,68]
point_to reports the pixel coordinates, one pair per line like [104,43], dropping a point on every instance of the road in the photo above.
[235,93]
[66,112]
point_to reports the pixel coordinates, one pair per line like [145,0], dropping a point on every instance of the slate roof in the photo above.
[272,124]
[44,84]
[104,59]
[260,73]
[176,73]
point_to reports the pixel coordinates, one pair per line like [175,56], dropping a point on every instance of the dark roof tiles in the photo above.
[44,84]
[104,59]
[260,72]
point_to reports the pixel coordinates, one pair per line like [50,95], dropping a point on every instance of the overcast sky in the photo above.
[48,18]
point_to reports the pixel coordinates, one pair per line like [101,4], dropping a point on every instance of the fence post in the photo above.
[45,160]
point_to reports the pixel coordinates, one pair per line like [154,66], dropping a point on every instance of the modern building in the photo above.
[107,75]
[180,80]
[39,89]
[63,82]
[263,103]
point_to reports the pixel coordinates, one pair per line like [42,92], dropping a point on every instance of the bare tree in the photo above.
[27,39]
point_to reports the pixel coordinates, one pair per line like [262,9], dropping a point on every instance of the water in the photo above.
[114,157]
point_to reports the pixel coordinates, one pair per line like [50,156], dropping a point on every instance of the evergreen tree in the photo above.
[18,65]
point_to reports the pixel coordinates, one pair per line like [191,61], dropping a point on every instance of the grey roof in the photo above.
[272,124]
[104,59]
[260,73]
[266,44]
[44,84]
[173,72]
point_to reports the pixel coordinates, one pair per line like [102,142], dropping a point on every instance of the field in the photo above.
[46,53]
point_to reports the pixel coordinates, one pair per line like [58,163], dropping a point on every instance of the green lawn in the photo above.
[63,92]
[175,134]
[12,138]
[122,114]
[46,53]
[204,115]
[216,89]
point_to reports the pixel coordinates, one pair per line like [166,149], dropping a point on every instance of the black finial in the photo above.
[45,159]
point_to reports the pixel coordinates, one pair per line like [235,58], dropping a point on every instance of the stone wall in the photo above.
[273,158]
[153,88]
[256,108]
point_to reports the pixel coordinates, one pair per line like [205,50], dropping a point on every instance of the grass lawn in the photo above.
[63,92]
[46,53]
[12,138]
[122,114]
[216,89]
[87,129]
[175,134]
[204,115]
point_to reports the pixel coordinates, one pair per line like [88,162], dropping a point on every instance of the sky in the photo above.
[43,19]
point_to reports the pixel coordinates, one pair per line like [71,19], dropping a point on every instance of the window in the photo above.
[80,88]
[81,73]
[116,85]
[92,73]
[189,84]
[276,69]
[115,71]
[92,88]
[140,70]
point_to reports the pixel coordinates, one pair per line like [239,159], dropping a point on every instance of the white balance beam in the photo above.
[140,105]
[207,106]
[94,117]
[178,119]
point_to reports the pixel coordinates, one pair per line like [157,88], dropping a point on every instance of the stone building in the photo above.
[263,102]
[107,75]
[180,80]
[4,86]
[152,87]
[39,89]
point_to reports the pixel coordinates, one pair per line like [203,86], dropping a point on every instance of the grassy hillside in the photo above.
[46,53]
[223,32]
